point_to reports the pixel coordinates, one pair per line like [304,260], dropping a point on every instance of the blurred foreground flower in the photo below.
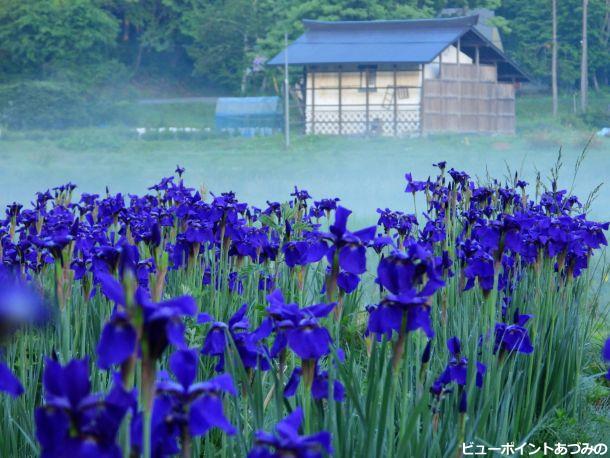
[20,306]
[75,422]
[184,409]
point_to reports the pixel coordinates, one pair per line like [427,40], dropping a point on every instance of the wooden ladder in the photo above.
[388,97]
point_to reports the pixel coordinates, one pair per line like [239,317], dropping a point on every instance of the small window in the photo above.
[368,77]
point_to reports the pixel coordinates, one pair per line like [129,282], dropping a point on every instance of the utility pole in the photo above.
[554,59]
[286,94]
[584,73]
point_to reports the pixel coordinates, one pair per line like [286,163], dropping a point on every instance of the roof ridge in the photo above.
[469,20]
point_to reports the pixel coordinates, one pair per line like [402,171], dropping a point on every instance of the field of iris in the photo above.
[210,327]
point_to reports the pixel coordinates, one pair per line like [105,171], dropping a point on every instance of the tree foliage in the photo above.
[43,37]
[225,35]
[529,37]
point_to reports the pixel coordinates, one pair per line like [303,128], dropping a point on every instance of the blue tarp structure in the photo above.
[249,116]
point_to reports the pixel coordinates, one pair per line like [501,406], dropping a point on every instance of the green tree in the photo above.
[224,38]
[470,4]
[40,38]
[150,32]
[529,38]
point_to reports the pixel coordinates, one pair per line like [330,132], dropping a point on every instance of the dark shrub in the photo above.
[35,105]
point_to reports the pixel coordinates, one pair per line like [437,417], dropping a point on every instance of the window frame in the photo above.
[371,70]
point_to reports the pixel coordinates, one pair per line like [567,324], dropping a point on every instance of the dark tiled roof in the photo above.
[416,41]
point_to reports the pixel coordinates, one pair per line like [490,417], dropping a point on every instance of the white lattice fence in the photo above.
[408,122]
[354,122]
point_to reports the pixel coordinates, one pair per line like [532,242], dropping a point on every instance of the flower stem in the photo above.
[186,442]
[147,394]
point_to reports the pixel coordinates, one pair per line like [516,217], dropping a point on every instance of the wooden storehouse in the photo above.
[403,77]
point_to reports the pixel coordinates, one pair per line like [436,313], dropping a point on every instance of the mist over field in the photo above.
[365,173]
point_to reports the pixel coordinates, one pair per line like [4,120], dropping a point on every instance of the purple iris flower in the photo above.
[479,265]
[513,337]
[301,195]
[319,386]
[441,165]
[184,408]
[308,338]
[521,184]
[481,371]
[273,208]
[433,231]
[347,282]
[13,210]
[9,383]
[456,372]
[298,328]
[266,282]
[75,422]
[379,243]
[457,368]
[235,284]
[323,207]
[282,316]
[459,177]
[397,310]
[162,324]
[187,245]
[117,342]
[286,440]
[327,204]
[350,246]
[302,252]
[401,222]
[414,186]
[415,269]
[163,185]
[251,351]
[411,278]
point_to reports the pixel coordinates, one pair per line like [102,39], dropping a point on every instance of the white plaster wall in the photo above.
[449,56]
[323,86]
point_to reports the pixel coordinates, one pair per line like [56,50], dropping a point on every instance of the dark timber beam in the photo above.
[366,92]
[340,76]
[313,102]
[395,127]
